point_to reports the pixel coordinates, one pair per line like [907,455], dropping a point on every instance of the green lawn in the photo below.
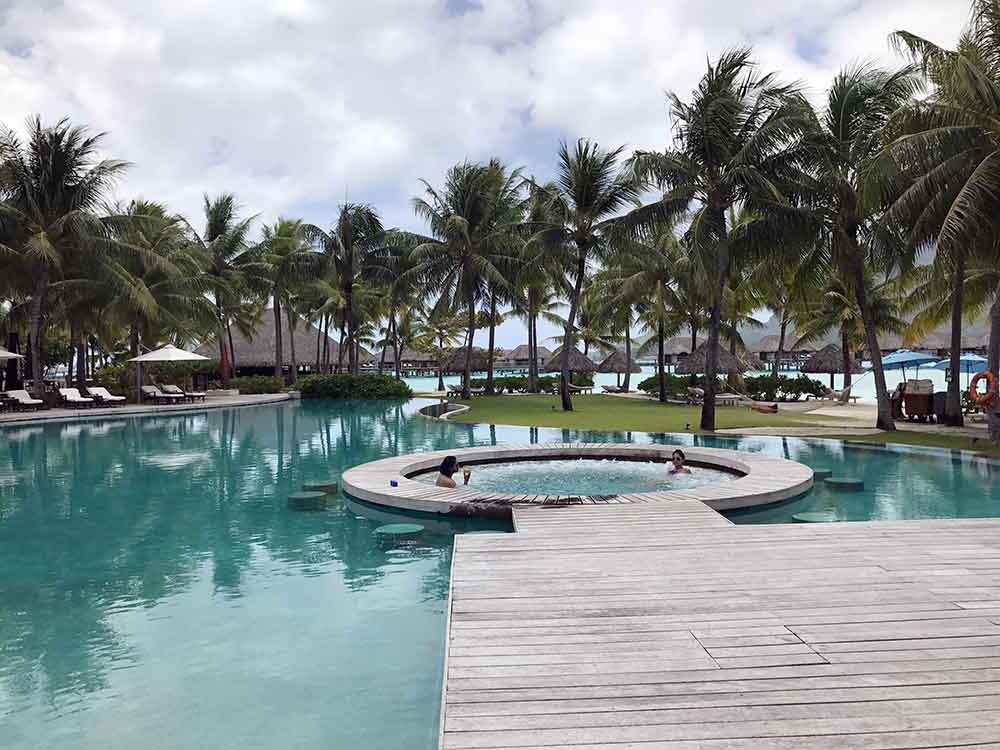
[929,440]
[614,413]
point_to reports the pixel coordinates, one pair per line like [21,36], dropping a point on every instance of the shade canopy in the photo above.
[829,359]
[577,362]
[618,362]
[728,364]
[169,353]
[968,363]
[5,355]
[900,360]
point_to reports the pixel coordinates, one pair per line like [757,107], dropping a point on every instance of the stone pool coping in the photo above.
[763,479]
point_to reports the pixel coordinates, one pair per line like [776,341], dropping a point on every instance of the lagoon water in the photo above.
[156,592]
[863,385]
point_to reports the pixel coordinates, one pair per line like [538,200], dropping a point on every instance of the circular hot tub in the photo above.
[722,479]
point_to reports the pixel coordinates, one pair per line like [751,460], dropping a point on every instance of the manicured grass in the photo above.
[620,414]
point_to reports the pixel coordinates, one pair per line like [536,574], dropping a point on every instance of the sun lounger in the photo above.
[695,395]
[23,400]
[173,390]
[728,399]
[612,389]
[581,388]
[103,395]
[72,397]
[152,393]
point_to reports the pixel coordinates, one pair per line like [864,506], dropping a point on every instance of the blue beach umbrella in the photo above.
[900,360]
[967,363]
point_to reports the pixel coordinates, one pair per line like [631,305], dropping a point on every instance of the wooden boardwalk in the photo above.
[638,627]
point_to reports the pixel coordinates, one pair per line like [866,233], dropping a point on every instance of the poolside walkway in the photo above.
[131,410]
[665,626]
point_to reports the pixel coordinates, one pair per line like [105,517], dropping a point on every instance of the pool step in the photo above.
[329,486]
[845,484]
[307,500]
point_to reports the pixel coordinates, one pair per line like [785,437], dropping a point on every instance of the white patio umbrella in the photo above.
[5,355]
[168,353]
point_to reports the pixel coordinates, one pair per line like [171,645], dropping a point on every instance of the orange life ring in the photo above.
[983,399]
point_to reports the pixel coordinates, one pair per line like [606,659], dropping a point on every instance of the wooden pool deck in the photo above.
[639,627]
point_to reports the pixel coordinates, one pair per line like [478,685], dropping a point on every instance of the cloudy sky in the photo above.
[296,104]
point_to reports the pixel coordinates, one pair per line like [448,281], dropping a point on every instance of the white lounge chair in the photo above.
[153,393]
[103,395]
[173,390]
[72,397]
[24,400]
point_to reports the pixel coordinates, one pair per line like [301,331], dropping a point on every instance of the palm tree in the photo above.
[284,261]
[50,187]
[588,193]
[735,163]
[355,249]
[440,330]
[845,140]
[534,299]
[940,170]
[224,246]
[834,307]
[474,222]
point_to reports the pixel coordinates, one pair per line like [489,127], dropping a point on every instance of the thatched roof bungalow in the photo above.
[257,353]
[519,356]
[828,360]
[577,362]
[618,363]
[727,364]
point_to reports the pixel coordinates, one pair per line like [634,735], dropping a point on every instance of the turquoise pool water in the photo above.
[155,591]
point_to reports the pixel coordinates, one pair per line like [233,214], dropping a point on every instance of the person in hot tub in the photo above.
[448,467]
[678,458]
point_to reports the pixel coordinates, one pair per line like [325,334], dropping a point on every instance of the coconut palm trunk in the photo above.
[291,346]
[533,355]
[492,339]
[845,346]
[712,354]
[733,378]
[628,357]
[569,340]
[440,365]
[660,375]
[467,372]
[35,316]
[278,352]
[884,420]
[993,365]
[340,348]
[776,365]
[953,404]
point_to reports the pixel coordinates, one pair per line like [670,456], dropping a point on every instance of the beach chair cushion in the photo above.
[73,395]
[103,394]
[25,398]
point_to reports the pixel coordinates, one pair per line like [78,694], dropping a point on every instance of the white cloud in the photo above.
[290,103]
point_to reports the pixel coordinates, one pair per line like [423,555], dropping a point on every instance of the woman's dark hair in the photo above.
[679,452]
[449,466]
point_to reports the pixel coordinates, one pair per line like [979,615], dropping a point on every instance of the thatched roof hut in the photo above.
[407,356]
[258,351]
[520,355]
[454,360]
[618,362]
[769,345]
[828,360]
[577,362]
[727,363]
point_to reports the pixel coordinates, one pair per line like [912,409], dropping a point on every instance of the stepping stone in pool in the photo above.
[820,474]
[399,530]
[845,484]
[816,516]
[307,500]
[329,486]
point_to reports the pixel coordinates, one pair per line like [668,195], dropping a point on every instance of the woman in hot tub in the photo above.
[677,460]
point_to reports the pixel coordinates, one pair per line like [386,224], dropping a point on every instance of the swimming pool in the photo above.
[583,476]
[156,592]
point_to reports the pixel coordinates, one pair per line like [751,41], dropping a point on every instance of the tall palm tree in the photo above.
[846,139]
[474,221]
[50,187]
[224,244]
[533,299]
[441,330]
[941,169]
[589,191]
[284,261]
[355,249]
[734,164]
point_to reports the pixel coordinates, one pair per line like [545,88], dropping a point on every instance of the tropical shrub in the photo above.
[364,386]
[256,384]
[676,384]
[782,388]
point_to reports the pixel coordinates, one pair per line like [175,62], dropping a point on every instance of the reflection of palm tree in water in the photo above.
[96,523]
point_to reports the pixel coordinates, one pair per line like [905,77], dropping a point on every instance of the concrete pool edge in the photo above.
[763,479]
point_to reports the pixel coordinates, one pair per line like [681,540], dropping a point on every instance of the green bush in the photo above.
[366,386]
[255,384]
[782,387]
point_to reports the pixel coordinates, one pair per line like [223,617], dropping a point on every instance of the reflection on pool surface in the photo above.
[156,592]
[584,476]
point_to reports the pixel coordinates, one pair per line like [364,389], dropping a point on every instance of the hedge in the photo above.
[254,384]
[365,386]
[519,383]
[782,388]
